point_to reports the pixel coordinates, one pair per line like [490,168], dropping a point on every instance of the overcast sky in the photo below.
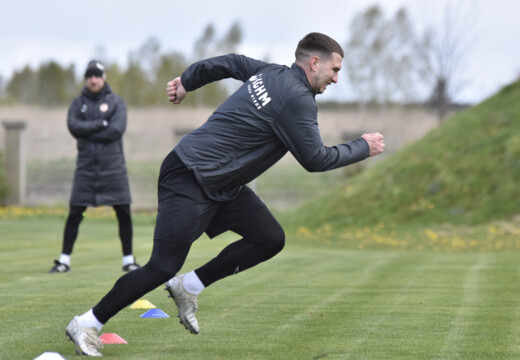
[69,31]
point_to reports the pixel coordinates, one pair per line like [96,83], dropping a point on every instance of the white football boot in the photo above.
[86,339]
[186,304]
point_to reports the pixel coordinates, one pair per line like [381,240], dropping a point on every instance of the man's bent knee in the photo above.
[274,241]
[167,258]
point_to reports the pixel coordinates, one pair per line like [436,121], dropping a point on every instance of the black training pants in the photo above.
[124,219]
[184,213]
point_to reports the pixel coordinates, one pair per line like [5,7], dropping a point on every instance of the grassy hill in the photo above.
[465,172]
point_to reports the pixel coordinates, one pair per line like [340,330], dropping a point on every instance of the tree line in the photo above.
[387,60]
[141,83]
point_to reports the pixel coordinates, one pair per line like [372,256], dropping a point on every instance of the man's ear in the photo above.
[314,63]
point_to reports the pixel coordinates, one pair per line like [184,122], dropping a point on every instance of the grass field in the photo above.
[312,301]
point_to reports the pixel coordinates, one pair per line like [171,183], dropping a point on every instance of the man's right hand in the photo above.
[375,143]
[175,90]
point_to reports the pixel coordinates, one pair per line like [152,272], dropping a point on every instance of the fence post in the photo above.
[15,161]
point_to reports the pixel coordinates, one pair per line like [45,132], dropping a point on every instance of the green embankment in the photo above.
[464,172]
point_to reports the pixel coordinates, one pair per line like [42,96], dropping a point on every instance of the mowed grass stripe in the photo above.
[514,332]
[327,296]
[487,316]
[324,299]
[378,299]
[466,310]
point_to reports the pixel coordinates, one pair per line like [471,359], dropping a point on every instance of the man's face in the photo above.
[94,84]
[326,73]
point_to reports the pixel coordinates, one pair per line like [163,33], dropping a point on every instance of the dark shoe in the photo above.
[59,268]
[131,267]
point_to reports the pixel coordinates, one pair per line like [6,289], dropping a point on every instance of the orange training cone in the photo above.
[112,338]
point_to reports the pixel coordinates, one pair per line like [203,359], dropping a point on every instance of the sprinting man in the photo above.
[202,182]
[97,120]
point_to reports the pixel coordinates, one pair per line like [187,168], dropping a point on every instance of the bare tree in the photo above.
[386,60]
[204,46]
[230,41]
[148,54]
[169,65]
[208,45]
[100,53]
[449,48]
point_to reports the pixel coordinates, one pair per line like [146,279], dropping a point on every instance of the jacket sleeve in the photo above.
[234,66]
[78,127]
[297,128]
[116,124]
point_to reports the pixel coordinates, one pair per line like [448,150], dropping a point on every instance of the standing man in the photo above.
[97,120]
[202,181]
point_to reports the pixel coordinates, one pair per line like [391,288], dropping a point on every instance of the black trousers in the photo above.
[184,213]
[124,218]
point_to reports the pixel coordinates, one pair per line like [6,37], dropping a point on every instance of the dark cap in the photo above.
[94,68]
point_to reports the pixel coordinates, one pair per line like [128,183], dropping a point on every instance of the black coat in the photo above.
[100,177]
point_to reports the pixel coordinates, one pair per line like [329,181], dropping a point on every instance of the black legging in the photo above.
[75,217]
[263,237]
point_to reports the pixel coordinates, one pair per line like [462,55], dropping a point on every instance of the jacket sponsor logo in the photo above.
[258,92]
[103,107]
[84,108]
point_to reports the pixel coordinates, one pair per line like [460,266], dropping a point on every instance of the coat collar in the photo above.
[301,74]
[104,91]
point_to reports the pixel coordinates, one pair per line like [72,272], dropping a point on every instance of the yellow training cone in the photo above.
[142,304]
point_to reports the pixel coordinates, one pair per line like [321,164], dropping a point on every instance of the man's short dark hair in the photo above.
[317,42]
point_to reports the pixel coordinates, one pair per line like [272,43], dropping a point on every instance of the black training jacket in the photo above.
[273,112]
[100,177]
